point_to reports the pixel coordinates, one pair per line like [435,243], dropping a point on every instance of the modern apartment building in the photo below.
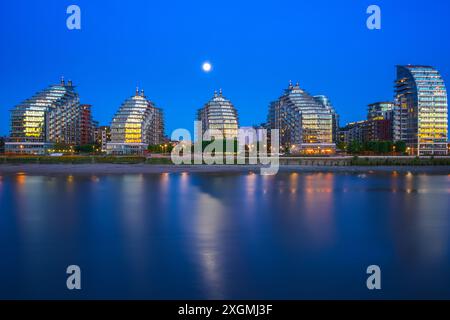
[102,135]
[421,111]
[380,121]
[137,124]
[50,116]
[326,103]
[353,131]
[219,114]
[305,125]
[87,125]
[366,131]
[377,130]
[380,110]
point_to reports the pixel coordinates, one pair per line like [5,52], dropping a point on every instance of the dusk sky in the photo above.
[255,48]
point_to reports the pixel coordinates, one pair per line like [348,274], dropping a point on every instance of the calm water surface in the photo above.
[195,236]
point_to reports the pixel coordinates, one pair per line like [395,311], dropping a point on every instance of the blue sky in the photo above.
[255,47]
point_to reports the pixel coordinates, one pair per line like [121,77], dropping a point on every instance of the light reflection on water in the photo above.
[225,235]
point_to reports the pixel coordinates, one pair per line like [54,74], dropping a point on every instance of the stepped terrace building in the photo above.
[421,111]
[305,125]
[137,124]
[50,116]
[219,114]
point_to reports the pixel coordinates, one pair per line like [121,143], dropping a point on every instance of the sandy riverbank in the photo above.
[36,169]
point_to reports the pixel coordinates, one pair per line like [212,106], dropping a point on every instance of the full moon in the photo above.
[206,66]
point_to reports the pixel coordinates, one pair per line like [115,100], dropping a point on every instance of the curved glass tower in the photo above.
[50,116]
[421,111]
[305,125]
[137,124]
[219,114]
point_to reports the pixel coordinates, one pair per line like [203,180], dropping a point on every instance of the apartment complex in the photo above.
[379,122]
[421,111]
[102,135]
[305,125]
[418,116]
[137,124]
[219,115]
[380,110]
[87,125]
[51,116]
[353,131]
[326,103]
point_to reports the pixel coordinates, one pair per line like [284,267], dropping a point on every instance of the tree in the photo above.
[224,142]
[400,146]
[62,147]
[87,148]
[2,145]
[341,146]
[384,146]
[160,148]
[355,147]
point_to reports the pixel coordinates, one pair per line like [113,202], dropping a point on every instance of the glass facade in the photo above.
[380,111]
[421,111]
[50,116]
[137,124]
[304,124]
[326,103]
[380,121]
[219,114]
